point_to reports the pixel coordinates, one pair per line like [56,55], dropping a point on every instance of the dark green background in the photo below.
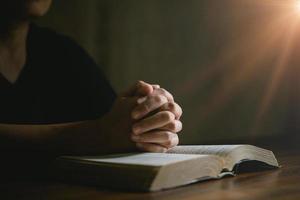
[185,46]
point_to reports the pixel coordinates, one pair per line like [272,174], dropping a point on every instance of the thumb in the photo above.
[144,89]
[140,88]
[130,102]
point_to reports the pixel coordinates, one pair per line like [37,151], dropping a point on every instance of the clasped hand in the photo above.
[150,117]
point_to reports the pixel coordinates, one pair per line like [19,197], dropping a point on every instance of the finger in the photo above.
[144,89]
[151,148]
[174,108]
[163,138]
[153,122]
[157,91]
[142,99]
[150,104]
[140,88]
[129,102]
[162,91]
[174,126]
[155,86]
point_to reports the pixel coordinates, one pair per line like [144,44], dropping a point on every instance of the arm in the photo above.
[108,134]
[70,138]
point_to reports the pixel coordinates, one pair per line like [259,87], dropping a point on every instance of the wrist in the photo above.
[116,136]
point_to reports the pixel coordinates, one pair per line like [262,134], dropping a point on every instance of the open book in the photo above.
[156,171]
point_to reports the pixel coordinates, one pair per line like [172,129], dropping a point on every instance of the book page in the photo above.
[146,159]
[232,154]
[220,150]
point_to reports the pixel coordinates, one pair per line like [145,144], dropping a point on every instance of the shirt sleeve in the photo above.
[89,93]
[95,91]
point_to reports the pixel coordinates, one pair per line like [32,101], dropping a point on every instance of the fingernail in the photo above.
[141,100]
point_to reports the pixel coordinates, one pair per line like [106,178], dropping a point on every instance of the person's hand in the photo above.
[117,123]
[159,123]
[157,119]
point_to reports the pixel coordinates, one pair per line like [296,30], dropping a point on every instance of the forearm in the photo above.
[86,137]
[51,138]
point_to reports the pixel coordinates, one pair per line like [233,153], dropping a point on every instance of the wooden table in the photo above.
[276,184]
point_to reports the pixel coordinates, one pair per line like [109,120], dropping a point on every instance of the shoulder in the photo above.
[56,44]
[48,36]
[62,57]
[68,76]
[57,52]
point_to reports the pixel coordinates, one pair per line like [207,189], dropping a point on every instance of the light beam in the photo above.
[297,6]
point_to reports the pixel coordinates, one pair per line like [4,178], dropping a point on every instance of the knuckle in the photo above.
[168,94]
[176,109]
[168,138]
[157,99]
[168,116]
[172,106]
[180,126]
[173,141]
[173,126]
[163,91]
[176,141]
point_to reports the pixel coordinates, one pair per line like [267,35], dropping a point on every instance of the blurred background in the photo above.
[233,65]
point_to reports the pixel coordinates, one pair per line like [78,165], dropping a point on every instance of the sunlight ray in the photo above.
[278,73]
[245,67]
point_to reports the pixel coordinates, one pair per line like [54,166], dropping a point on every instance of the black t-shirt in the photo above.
[59,83]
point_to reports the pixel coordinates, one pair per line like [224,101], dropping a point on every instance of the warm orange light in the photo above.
[297,4]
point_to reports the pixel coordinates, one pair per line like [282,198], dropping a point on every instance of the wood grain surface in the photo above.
[275,184]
